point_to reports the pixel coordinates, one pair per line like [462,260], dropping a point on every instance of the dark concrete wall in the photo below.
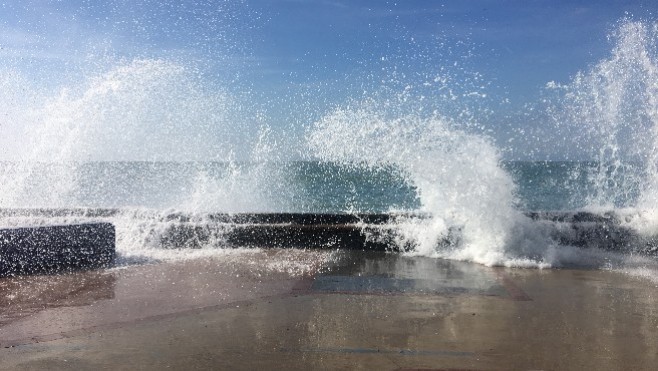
[323,236]
[51,249]
[282,230]
[348,236]
[57,248]
[378,231]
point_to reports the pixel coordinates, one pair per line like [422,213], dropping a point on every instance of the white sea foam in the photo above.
[468,198]
[149,110]
[611,109]
[185,131]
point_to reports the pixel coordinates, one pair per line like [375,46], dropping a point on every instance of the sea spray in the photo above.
[75,148]
[153,110]
[150,110]
[611,110]
[466,195]
[375,155]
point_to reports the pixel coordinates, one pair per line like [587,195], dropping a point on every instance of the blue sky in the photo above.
[288,53]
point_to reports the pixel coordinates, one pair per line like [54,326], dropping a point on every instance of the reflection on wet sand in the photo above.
[398,274]
[347,310]
[47,307]
[22,296]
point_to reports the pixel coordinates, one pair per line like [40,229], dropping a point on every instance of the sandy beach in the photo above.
[294,309]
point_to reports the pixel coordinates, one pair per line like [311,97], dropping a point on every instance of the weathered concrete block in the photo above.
[282,230]
[348,236]
[51,249]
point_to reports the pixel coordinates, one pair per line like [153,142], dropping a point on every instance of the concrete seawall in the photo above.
[609,231]
[378,232]
[59,248]
[284,230]
[52,249]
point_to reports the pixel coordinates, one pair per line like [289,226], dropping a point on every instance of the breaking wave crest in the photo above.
[468,198]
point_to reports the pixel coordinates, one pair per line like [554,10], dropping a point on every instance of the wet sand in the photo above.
[294,309]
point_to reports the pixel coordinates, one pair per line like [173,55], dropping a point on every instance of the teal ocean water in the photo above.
[297,186]
[148,200]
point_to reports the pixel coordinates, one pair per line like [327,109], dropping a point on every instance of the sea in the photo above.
[147,200]
[145,141]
